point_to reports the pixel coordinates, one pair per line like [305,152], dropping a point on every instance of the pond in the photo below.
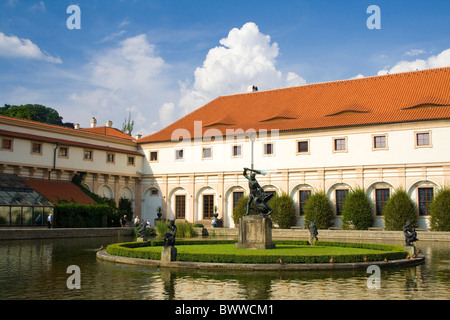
[37,269]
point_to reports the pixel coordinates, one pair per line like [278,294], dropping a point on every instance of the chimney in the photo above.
[93,122]
[252,89]
[76,126]
[109,124]
[138,136]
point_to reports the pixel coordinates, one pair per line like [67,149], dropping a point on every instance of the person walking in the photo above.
[123,221]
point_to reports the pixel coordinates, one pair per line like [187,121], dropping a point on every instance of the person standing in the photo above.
[123,221]
[50,221]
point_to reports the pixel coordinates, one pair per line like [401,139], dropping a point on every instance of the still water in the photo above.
[37,269]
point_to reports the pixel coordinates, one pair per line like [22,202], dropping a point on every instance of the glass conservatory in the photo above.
[20,204]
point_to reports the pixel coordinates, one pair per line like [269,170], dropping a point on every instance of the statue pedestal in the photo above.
[140,239]
[312,241]
[411,250]
[255,232]
[169,254]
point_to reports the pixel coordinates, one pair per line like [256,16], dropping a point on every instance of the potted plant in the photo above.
[159,212]
[215,214]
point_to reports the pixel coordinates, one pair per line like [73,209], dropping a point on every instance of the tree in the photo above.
[357,211]
[283,211]
[128,125]
[398,209]
[318,208]
[34,112]
[440,211]
[240,209]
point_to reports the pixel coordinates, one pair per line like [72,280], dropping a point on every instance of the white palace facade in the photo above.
[378,133]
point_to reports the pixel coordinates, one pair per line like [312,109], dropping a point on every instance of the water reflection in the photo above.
[37,270]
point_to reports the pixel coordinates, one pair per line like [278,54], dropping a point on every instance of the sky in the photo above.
[158,60]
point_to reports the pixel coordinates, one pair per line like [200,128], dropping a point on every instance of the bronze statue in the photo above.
[257,195]
[410,233]
[169,237]
[313,230]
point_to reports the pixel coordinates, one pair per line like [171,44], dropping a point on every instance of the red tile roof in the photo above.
[59,190]
[98,131]
[112,132]
[403,97]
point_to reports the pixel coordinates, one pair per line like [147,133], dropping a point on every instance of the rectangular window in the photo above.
[381,197]
[130,160]
[36,148]
[423,139]
[303,147]
[63,152]
[341,194]
[110,157]
[180,207]
[179,154]
[236,196]
[236,151]
[88,155]
[425,199]
[302,197]
[340,144]
[207,153]
[7,144]
[268,149]
[379,142]
[153,156]
[208,206]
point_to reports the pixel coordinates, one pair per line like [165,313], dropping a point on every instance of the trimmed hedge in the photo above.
[75,215]
[391,253]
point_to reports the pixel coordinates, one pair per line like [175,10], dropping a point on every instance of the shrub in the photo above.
[440,211]
[240,209]
[161,227]
[185,230]
[76,215]
[283,211]
[398,209]
[318,208]
[357,211]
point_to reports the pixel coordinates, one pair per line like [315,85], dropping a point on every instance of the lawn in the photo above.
[280,250]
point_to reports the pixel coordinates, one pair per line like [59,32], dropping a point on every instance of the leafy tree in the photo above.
[357,211]
[283,211]
[398,209]
[34,112]
[128,125]
[318,208]
[440,211]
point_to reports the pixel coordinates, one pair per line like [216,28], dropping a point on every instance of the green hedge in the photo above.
[126,250]
[75,215]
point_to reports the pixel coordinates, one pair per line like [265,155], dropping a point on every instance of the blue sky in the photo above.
[162,59]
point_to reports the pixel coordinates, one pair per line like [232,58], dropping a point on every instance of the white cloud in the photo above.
[414,52]
[38,7]
[13,47]
[166,114]
[246,57]
[129,77]
[437,61]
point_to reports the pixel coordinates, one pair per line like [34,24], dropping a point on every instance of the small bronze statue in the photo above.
[313,230]
[410,233]
[169,237]
[141,230]
[257,195]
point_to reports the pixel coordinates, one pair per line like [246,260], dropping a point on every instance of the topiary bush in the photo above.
[357,211]
[398,209]
[283,211]
[440,211]
[318,208]
[240,209]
